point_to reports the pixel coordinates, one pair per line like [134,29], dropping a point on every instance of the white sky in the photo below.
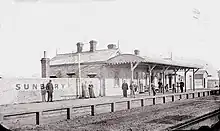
[152,26]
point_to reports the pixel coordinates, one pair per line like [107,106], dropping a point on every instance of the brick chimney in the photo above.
[45,66]
[111,46]
[136,52]
[79,47]
[93,44]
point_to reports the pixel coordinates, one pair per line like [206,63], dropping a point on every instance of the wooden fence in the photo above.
[112,104]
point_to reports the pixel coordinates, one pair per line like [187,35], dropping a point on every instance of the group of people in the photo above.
[161,88]
[88,91]
[47,90]
[133,89]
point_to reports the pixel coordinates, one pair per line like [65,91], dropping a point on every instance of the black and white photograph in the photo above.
[109,65]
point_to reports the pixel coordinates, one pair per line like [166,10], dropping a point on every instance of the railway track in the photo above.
[194,121]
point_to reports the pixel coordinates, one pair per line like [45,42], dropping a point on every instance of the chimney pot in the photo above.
[111,46]
[93,44]
[45,54]
[136,52]
[79,47]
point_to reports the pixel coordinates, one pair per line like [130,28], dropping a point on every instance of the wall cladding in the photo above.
[29,90]
[85,69]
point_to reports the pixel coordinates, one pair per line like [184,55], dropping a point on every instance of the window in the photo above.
[116,80]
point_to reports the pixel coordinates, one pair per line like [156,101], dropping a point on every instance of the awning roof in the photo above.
[130,58]
[125,58]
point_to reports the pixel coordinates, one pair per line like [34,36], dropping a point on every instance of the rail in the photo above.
[194,121]
[112,104]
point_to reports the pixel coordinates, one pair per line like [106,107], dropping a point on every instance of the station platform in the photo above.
[77,102]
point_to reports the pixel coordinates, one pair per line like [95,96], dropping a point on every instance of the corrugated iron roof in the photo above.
[125,58]
[128,58]
[97,56]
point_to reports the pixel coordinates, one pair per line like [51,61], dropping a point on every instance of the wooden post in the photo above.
[129,104]
[154,101]
[92,110]
[198,94]
[142,102]
[193,95]
[173,98]
[149,82]
[113,107]
[203,93]
[187,96]
[194,71]
[132,70]
[175,89]
[180,96]
[163,81]
[193,80]
[38,118]
[68,113]
[185,74]
[150,72]
[164,99]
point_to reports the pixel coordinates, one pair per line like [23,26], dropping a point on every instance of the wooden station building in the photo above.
[112,67]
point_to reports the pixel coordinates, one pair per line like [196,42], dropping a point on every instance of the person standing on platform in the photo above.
[181,86]
[43,93]
[160,85]
[125,88]
[132,89]
[174,88]
[91,90]
[85,90]
[153,89]
[141,87]
[49,88]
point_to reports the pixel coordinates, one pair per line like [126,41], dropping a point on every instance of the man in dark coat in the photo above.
[49,88]
[160,85]
[181,86]
[125,88]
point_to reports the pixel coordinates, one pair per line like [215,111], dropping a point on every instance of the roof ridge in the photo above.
[87,51]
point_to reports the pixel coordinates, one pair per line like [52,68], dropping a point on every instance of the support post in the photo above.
[113,107]
[142,102]
[38,118]
[92,110]
[68,113]
[194,71]
[173,98]
[132,70]
[185,73]
[198,94]
[164,99]
[164,70]
[150,82]
[150,72]
[187,96]
[154,101]
[79,95]
[176,70]
[129,104]
[174,90]
[180,96]
[163,81]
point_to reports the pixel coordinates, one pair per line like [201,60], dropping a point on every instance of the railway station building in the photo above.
[111,67]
